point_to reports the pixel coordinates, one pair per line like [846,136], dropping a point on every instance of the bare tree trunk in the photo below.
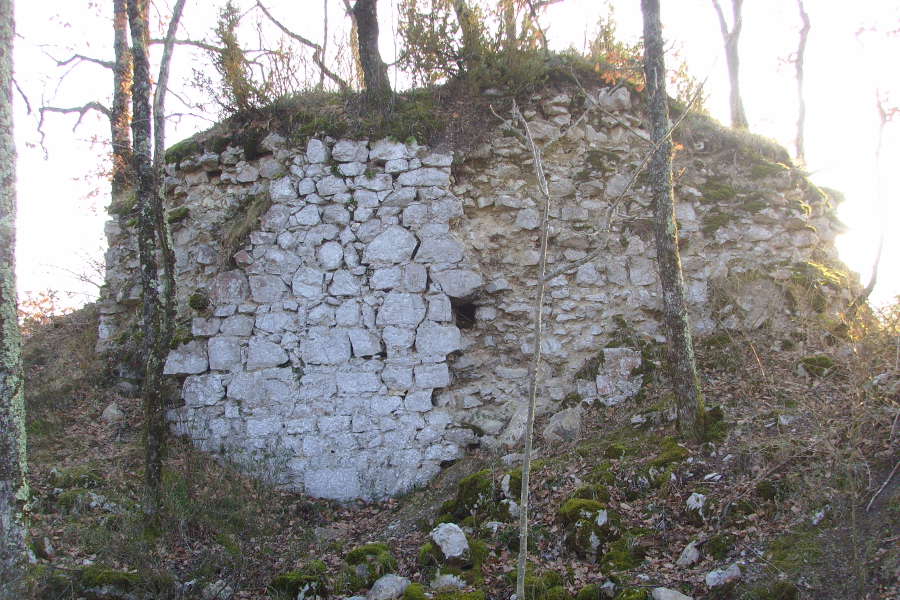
[120,113]
[801,102]
[683,366]
[471,36]
[375,76]
[535,355]
[167,254]
[13,465]
[147,194]
[738,117]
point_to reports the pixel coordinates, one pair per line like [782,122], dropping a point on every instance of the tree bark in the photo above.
[120,112]
[167,253]
[154,409]
[13,465]
[799,65]
[471,36]
[682,363]
[731,38]
[375,75]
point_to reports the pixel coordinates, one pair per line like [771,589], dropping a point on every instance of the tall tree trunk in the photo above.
[731,38]
[682,364]
[167,254]
[120,112]
[471,36]
[799,65]
[147,195]
[375,75]
[13,487]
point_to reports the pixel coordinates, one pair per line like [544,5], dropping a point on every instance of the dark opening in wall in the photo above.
[463,313]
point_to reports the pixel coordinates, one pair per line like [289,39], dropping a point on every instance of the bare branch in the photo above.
[107,64]
[81,110]
[24,97]
[317,56]
[195,43]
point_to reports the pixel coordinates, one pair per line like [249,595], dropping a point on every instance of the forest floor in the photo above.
[788,483]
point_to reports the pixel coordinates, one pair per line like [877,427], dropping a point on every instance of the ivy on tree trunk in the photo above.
[13,487]
[682,363]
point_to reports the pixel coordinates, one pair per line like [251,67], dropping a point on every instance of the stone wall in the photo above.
[375,321]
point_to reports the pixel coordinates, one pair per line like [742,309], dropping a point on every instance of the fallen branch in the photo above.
[883,485]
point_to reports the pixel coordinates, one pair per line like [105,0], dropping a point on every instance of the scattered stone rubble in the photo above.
[375,322]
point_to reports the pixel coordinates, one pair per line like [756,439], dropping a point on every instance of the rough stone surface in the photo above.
[451,540]
[564,426]
[385,298]
[689,555]
[661,593]
[388,587]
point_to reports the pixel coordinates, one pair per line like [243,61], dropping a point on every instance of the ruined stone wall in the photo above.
[375,320]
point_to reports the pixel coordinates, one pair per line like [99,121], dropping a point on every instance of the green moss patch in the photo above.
[177,215]
[633,594]
[474,497]
[718,546]
[623,554]
[778,590]
[309,579]
[718,191]
[817,365]
[592,492]
[182,150]
[795,552]
[670,452]
[367,563]
[99,575]
[81,476]
[589,525]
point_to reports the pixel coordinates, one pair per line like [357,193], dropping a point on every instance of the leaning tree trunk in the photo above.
[680,345]
[375,75]
[153,400]
[731,38]
[13,488]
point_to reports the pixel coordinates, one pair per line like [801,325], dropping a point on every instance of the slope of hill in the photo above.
[794,492]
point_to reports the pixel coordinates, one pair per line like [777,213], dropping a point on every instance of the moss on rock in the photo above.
[99,575]
[670,452]
[592,492]
[414,591]
[178,214]
[590,526]
[367,563]
[633,593]
[474,497]
[310,579]
[718,545]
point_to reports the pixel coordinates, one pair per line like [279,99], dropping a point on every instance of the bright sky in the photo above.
[62,199]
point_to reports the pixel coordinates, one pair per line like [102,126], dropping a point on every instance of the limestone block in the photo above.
[386,149]
[643,271]
[458,283]
[388,587]
[439,308]
[401,309]
[435,339]
[396,165]
[437,159]
[237,325]
[616,185]
[393,245]
[619,99]
[440,249]
[267,288]
[344,284]
[351,169]
[356,382]
[330,255]
[364,342]
[377,183]
[246,173]
[277,322]
[564,426]
[451,540]
[401,197]
[528,218]
[386,278]
[432,376]
[398,338]
[187,359]
[308,215]
[615,382]
[205,327]
[331,185]
[397,377]
[335,214]
[307,283]
[203,390]
[415,215]
[224,353]
[415,278]
[424,177]
[263,354]
[230,287]
[350,151]
[283,190]
[325,346]
[418,401]
[347,314]
[316,151]
[333,484]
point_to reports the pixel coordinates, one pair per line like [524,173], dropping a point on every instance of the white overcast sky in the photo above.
[62,198]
